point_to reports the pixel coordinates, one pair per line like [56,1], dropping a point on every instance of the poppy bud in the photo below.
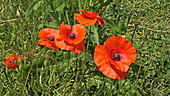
[45,26]
[136,23]
[64,23]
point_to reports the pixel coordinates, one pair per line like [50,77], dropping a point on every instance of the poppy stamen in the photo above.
[51,38]
[72,35]
[116,56]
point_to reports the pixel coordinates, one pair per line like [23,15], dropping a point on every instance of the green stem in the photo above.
[102,87]
[133,33]
[27,80]
[6,85]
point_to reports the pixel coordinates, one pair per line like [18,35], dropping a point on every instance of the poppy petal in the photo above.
[89,18]
[78,48]
[89,14]
[71,38]
[120,65]
[66,46]
[110,71]
[11,60]
[7,62]
[110,64]
[13,67]
[101,59]
[128,58]
[63,45]
[127,50]
[44,32]
[65,30]
[83,20]
[111,42]
[48,32]
[47,44]
[100,21]
[100,55]
[80,32]
[123,46]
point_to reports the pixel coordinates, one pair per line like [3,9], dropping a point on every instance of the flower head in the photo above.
[70,38]
[89,18]
[113,59]
[11,60]
[48,35]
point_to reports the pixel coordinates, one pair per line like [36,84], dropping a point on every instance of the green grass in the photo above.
[63,73]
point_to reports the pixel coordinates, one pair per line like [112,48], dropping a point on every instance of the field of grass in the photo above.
[45,72]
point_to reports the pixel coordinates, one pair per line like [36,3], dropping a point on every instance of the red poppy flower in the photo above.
[89,18]
[71,38]
[11,60]
[113,59]
[47,36]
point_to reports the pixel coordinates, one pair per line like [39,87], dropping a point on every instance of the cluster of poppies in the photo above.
[67,37]
[112,59]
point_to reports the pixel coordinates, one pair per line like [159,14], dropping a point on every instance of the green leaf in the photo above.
[48,25]
[61,7]
[37,5]
[75,85]
[135,68]
[168,66]
[95,35]
[57,5]
[38,61]
[126,22]
[33,6]
[102,3]
[89,58]
[114,26]
[168,73]
[137,93]
[135,45]
[159,79]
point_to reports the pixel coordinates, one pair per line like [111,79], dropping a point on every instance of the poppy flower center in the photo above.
[116,56]
[72,35]
[11,61]
[51,38]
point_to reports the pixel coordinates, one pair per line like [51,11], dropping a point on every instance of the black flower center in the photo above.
[72,35]
[11,61]
[51,38]
[116,56]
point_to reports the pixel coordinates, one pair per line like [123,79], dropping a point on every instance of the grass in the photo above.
[49,72]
